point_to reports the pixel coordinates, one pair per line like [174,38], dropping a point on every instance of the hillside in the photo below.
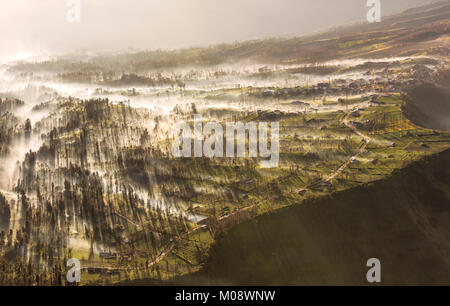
[418,31]
[403,220]
[428,105]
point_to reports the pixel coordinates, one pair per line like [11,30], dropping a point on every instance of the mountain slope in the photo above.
[428,104]
[404,221]
[423,30]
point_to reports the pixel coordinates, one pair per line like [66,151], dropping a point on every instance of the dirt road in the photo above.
[365,138]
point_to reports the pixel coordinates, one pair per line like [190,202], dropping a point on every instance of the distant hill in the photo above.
[417,31]
[403,220]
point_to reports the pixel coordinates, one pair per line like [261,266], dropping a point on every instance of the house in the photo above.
[327,184]
[377,102]
[197,219]
[203,223]
[357,124]
[108,255]
[125,258]
[300,103]
[302,192]
[96,270]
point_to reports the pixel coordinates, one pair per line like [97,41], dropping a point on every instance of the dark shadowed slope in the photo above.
[403,220]
[428,105]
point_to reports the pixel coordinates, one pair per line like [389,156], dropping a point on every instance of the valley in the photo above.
[87,170]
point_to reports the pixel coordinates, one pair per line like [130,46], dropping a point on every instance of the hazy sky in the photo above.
[35,26]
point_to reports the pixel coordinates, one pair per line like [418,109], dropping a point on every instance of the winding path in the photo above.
[365,138]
